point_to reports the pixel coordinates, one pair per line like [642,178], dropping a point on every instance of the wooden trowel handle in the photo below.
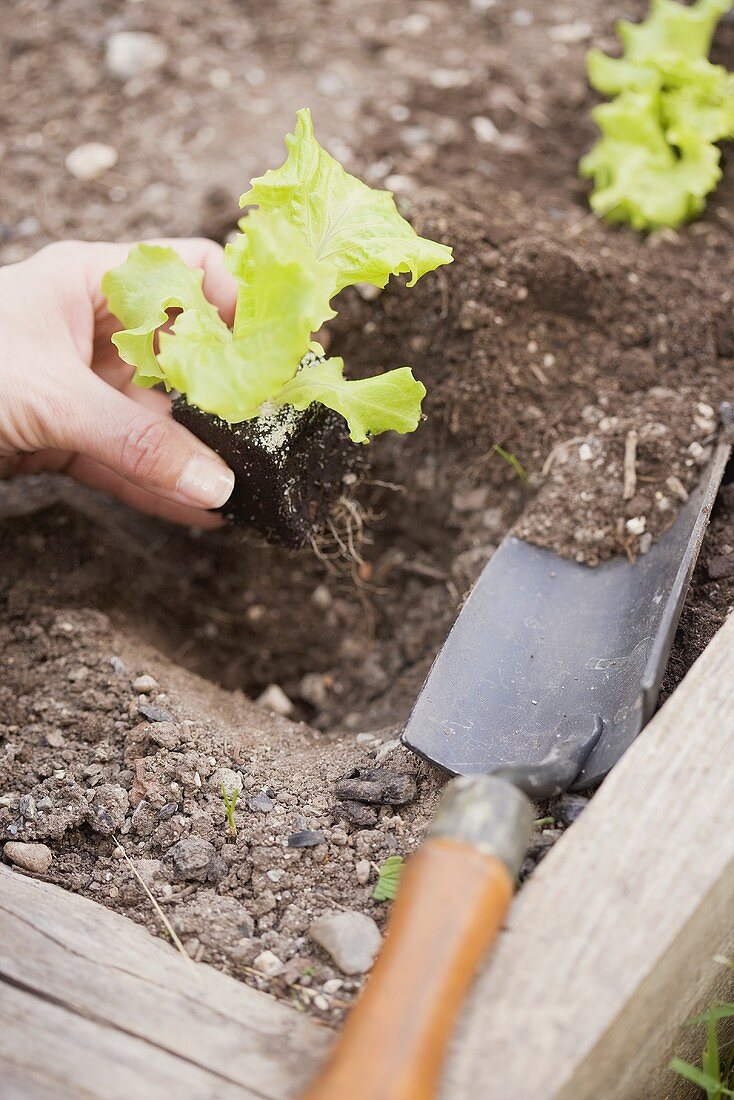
[453,898]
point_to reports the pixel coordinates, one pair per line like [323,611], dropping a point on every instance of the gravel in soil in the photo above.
[130,650]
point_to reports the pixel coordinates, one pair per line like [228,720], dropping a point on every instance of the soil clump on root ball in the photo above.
[290,467]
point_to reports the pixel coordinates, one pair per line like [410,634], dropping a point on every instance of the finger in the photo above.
[220,287]
[89,472]
[138,443]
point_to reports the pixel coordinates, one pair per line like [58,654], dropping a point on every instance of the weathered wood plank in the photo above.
[148,1022]
[49,1053]
[610,947]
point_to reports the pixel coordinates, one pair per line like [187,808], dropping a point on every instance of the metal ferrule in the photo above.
[488,813]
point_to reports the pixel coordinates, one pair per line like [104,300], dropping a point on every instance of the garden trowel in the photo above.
[550,671]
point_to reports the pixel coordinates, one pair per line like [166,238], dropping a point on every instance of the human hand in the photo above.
[67,402]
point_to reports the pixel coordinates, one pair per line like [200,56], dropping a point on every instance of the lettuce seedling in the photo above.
[657,158]
[263,393]
[316,230]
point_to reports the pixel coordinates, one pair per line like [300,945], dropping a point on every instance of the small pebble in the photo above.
[167,811]
[362,870]
[155,714]
[321,597]
[268,963]
[636,525]
[27,807]
[485,130]
[321,1003]
[351,939]
[132,53]
[262,803]
[36,858]
[333,985]
[276,700]
[90,161]
[570,33]
[145,684]
[228,778]
[307,838]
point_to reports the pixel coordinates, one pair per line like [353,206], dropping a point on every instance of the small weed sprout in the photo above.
[715,1075]
[514,461]
[389,879]
[230,804]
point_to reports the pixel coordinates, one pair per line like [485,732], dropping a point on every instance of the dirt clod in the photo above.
[381,785]
[194,859]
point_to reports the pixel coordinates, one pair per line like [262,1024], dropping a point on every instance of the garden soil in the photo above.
[131,650]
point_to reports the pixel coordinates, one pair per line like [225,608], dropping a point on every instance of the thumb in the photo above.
[146,447]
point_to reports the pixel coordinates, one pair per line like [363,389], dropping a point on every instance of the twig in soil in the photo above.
[589,219]
[331,901]
[444,285]
[159,912]
[526,110]
[556,450]
[542,378]
[421,569]
[392,485]
[630,464]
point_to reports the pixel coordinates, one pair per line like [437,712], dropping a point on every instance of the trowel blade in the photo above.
[541,639]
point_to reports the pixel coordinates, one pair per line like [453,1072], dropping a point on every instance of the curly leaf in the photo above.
[388,402]
[283,297]
[282,287]
[699,97]
[151,281]
[672,27]
[346,223]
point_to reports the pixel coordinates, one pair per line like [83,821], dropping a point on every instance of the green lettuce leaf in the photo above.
[284,296]
[672,27]
[699,97]
[387,402]
[284,292]
[657,159]
[346,223]
[151,281]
